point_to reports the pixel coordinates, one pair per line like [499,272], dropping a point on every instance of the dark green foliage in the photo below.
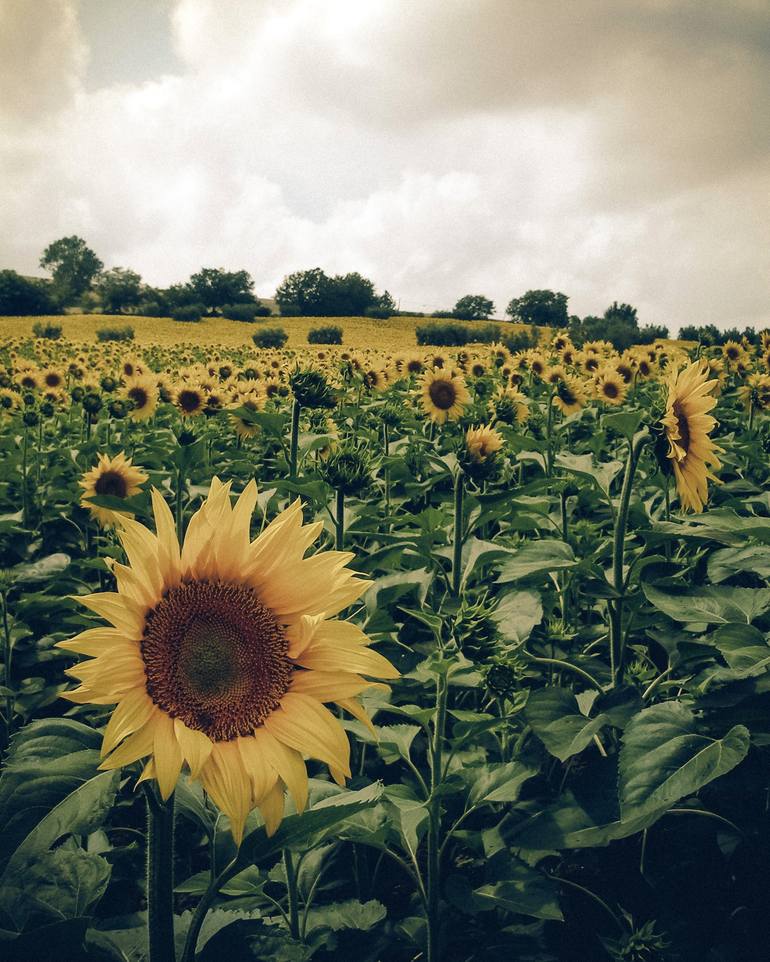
[189,313]
[47,330]
[22,296]
[123,333]
[539,308]
[214,287]
[248,312]
[312,293]
[521,340]
[456,335]
[119,290]
[473,307]
[270,337]
[332,334]
[311,389]
[73,265]
[710,336]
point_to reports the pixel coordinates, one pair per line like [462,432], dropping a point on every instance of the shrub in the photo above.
[245,312]
[325,335]
[152,309]
[445,335]
[188,313]
[380,313]
[488,334]
[521,340]
[124,333]
[270,337]
[47,330]
[442,314]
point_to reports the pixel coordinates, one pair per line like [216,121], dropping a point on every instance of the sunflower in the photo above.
[222,652]
[509,405]
[611,386]
[687,424]
[116,477]
[481,443]
[733,352]
[142,391]
[755,393]
[190,399]
[444,396]
[569,395]
[252,402]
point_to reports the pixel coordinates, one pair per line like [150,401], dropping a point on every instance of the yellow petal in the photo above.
[195,745]
[271,807]
[262,774]
[328,685]
[123,613]
[136,746]
[224,778]
[131,714]
[167,755]
[94,641]
[304,724]
[287,763]
[356,709]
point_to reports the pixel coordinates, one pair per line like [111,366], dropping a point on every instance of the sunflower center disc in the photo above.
[215,657]
[111,483]
[443,394]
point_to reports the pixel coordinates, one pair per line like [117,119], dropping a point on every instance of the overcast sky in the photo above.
[610,149]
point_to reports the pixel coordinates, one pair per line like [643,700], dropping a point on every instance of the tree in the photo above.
[349,295]
[303,293]
[119,289]
[473,307]
[73,266]
[214,287]
[542,308]
[20,296]
[622,312]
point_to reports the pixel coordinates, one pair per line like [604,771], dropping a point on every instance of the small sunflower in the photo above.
[483,442]
[221,653]
[142,391]
[611,387]
[116,477]
[687,424]
[252,402]
[444,396]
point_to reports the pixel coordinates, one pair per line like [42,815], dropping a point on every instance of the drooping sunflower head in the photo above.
[482,443]
[686,426]
[509,405]
[444,395]
[113,477]
[569,395]
[253,401]
[142,392]
[222,652]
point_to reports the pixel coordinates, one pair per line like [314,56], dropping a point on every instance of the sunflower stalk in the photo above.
[457,552]
[296,410]
[7,655]
[339,521]
[160,878]
[617,642]
[433,878]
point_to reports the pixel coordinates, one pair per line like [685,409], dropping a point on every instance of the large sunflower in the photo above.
[444,395]
[221,653]
[116,477]
[687,424]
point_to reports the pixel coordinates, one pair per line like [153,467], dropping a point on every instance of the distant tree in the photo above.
[473,307]
[622,312]
[178,295]
[73,266]
[214,287]
[349,295]
[542,308]
[21,296]
[304,293]
[652,332]
[690,332]
[119,290]
[383,307]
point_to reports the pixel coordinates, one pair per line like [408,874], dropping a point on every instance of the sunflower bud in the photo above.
[30,418]
[311,389]
[92,403]
[474,629]
[346,470]
[501,680]
[77,394]
[117,409]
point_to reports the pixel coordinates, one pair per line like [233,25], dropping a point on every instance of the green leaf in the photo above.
[497,782]
[346,915]
[517,614]
[535,558]
[711,605]
[42,570]
[526,892]
[623,422]
[583,465]
[555,718]
[726,562]
[664,758]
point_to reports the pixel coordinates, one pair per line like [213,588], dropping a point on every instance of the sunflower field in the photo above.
[384,655]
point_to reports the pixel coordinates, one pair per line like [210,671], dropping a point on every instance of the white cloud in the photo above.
[438,146]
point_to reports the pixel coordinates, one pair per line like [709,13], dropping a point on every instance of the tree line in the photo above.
[78,277]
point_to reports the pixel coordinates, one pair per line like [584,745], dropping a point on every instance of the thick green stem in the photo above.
[7,654]
[548,436]
[457,553]
[339,521]
[434,827]
[296,410]
[293,895]
[160,878]
[24,485]
[386,451]
[617,645]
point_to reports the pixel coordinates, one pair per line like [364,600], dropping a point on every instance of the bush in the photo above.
[380,313]
[521,340]
[47,330]
[325,335]
[445,335]
[152,309]
[21,296]
[188,313]
[124,333]
[270,337]
[489,334]
[442,314]
[245,312]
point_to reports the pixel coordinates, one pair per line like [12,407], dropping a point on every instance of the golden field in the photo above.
[396,333]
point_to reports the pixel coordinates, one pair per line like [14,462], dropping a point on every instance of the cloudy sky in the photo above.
[610,149]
